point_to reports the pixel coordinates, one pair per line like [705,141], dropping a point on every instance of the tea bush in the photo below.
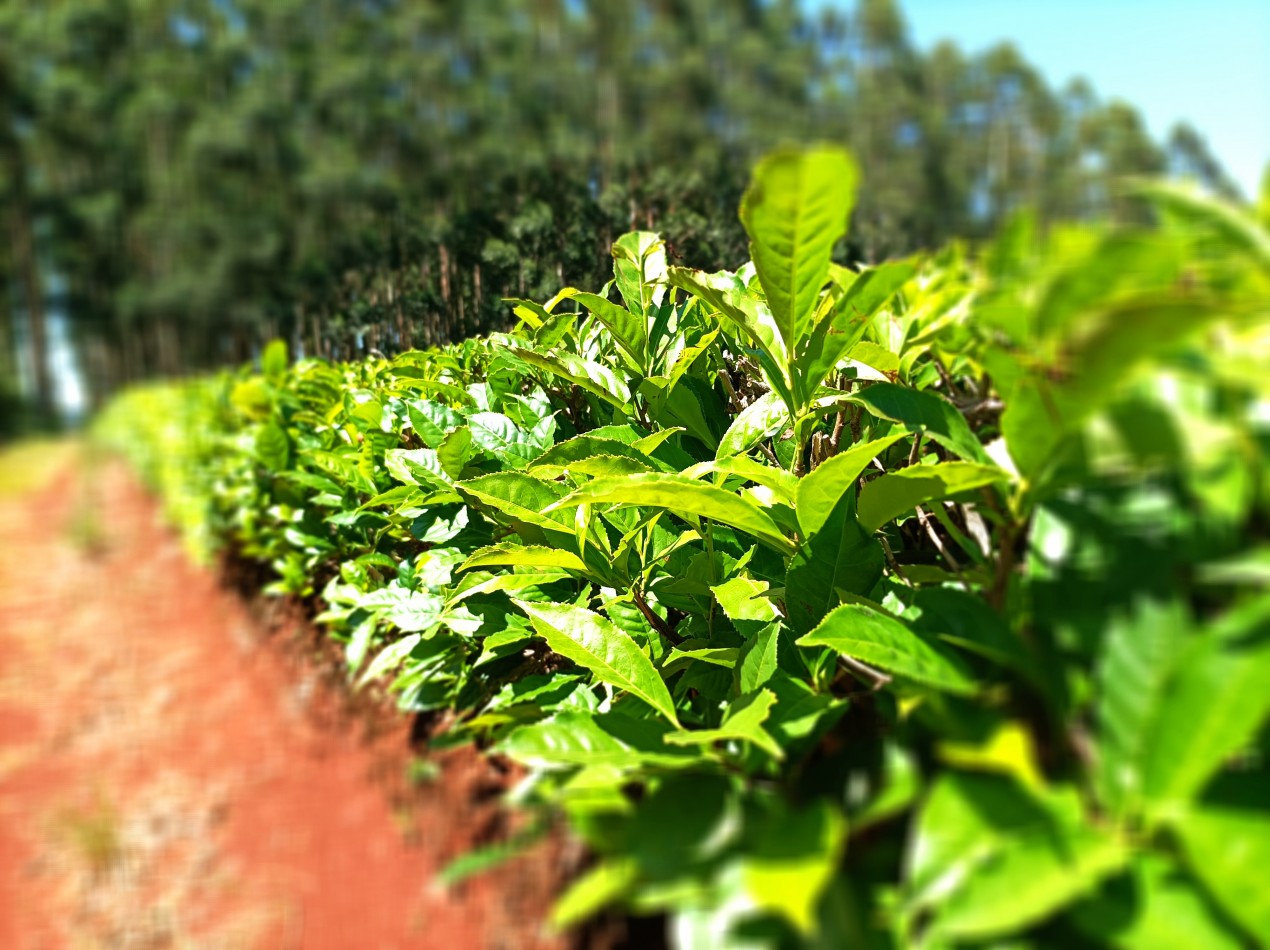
[919,605]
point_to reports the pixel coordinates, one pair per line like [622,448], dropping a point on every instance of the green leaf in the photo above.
[686,497]
[886,498]
[760,420]
[649,444]
[965,620]
[1153,906]
[484,858]
[485,584]
[572,739]
[959,826]
[801,715]
[508,554]
[628,330]
[407,380]
[758,661]
[880,640]
[518,496]
[727,294]
[794,858]
[639,263]
[455,451]
[849,318]
[840,559]
[432,420]
[416,467]
[413,611]
[1212,709]
[1040,413]
[1139,656]
[782,483]
[397,495]
[603,884]
[1233,223]
[534,314]
[1250,568]
[1025,881]
[497,434]
[990,860]
[691,404]
[745,602]
[273,360]
[717,656]
[1229,851]
[390,657]
[598,380]
[599,645]
[359,643]
[877,358]
[922,411]
[1085,286]
[565,455]
[273,447]
[794,211]
[743,721]
[820,491]
[683,823]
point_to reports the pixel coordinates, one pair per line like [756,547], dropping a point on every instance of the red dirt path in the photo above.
[169,778]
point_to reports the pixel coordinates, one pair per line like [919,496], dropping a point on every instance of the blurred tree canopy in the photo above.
[183,179]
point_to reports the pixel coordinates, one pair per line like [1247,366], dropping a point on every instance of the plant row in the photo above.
[917,605]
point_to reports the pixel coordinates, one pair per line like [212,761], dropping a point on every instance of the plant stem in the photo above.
[655,621]
[877,677]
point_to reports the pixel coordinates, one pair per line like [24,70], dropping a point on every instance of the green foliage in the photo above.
[914,606]
[184,180]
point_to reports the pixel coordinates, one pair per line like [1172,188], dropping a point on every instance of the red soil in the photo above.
[170,776]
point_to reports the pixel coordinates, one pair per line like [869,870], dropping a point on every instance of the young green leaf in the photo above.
[564,456]
[685,497]
[585,374]
[794,211]
[922,411]
[846,322]
[599,645]
[508,554]
[761,419]
[880,640]
[630,331]
[602,885]
[743,720]
[820,491]
[273,447]
[639,264]
[571,739]
[895,493]
[519,497]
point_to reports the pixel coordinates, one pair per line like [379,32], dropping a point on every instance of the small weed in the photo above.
[85,529]
[422,772]
[95,834]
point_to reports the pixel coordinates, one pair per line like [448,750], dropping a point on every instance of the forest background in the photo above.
[183,180]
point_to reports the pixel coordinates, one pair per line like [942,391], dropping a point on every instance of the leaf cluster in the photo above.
[922,604]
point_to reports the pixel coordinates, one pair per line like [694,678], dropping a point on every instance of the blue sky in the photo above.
[1205,62]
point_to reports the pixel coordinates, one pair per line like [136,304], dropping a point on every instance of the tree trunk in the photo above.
[28,267]
[8,342]
[445,279]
